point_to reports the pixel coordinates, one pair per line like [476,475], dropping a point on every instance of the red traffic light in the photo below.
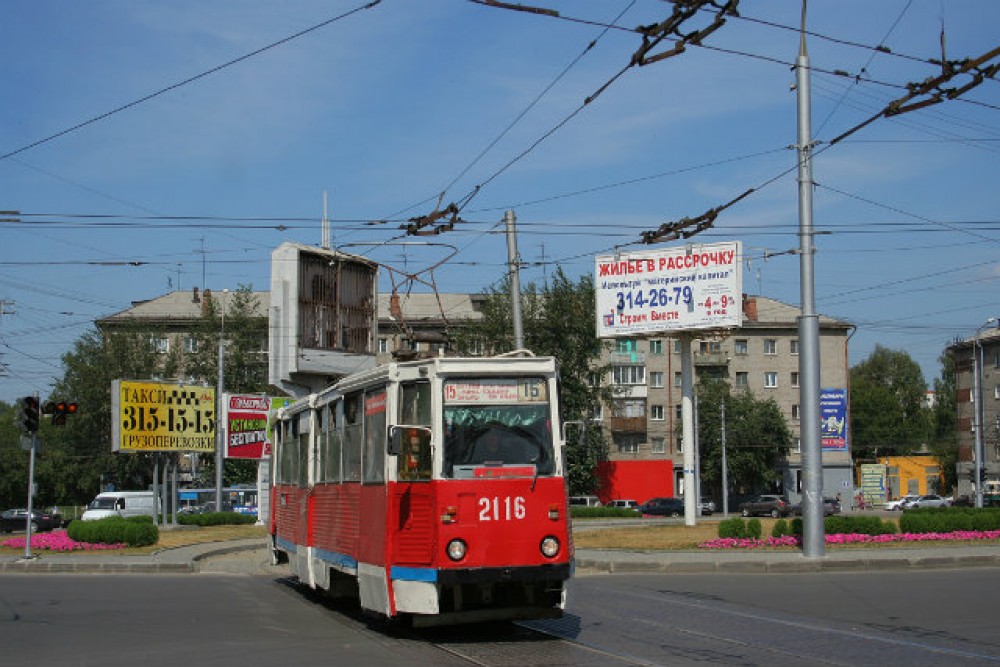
[60,410]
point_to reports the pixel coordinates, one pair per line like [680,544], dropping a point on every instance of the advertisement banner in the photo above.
[245,419]
[248,420]
[673,289]
[161,416]
[833,419]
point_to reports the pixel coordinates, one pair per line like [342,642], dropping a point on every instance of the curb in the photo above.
[763,566]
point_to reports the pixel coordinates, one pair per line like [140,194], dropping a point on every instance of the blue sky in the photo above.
[204,150]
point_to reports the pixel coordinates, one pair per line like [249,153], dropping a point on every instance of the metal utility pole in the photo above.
[813,539]
[514,264]
[219,443]
[687,430]
[725,466]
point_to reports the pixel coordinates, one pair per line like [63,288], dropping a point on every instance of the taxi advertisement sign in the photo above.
[160,416]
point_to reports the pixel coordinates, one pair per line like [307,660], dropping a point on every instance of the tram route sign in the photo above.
[672,289]
[162,416]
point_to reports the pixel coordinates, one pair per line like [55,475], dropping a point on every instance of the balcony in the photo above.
[627,424]
[711,359]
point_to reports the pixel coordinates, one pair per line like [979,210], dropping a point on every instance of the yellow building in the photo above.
[914,474]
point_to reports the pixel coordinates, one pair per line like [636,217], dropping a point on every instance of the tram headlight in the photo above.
[550,547]
[456,550]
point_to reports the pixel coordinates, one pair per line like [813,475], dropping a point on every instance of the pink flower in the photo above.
[57,540]
[852,538]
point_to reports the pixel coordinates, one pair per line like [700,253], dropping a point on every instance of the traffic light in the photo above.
[28,414]
[59,410]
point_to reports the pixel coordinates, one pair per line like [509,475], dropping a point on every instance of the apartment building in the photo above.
[761,356]
[977,383]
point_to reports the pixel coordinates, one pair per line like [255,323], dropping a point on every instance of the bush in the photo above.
[218,519]
[739,528]
[134,532]
[580,512]
[949,519]
[857,525]
[781,528]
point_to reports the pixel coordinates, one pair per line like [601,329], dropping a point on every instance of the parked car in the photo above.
[928,500]
[766,505]
[584,501]
[830,506]
[17,519]
[707,506]
[896,505]
[624,504]
[663,507]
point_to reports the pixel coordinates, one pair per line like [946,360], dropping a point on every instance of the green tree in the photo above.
[945,411]
[757,438]
[76,458]
[887,403]
[557,320]
[243,330]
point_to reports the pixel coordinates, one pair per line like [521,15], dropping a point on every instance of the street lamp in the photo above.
[977,415]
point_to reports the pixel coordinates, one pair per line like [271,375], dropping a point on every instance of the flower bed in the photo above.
[852,538]
[57,540]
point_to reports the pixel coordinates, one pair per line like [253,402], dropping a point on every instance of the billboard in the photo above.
[246,419]
[673,289]
[162,416]
[833,419]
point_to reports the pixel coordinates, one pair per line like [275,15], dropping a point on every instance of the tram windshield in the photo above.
[497,422]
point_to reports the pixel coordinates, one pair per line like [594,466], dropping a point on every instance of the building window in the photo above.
[741,347]
[996,392]
[159,344]
[770,346]
[709,347]
[770,379]
[626,345]
[190,344]
[677,346]
[742,379]
[656,379]
[630,408]
[679,444]
[628,375]
[598,413]
[383,345]
[677,412]
[656,413]
[678,379]
[627,444]
[794,345]
[656,347]
[795,411]
[658,446]
[795,378]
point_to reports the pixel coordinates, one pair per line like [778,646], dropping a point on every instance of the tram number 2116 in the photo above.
[501,509]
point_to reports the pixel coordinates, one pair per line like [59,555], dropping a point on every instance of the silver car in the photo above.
[929,500]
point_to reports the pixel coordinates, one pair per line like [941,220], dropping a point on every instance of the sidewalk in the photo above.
[249,556]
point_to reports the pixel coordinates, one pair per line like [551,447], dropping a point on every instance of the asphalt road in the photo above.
[241,616]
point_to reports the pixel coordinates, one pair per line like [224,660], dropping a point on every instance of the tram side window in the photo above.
[330,444]
[302,479]
[353,416]
[375,443]
[414,462]
[288,453]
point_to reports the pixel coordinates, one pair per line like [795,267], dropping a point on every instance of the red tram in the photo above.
[430,489]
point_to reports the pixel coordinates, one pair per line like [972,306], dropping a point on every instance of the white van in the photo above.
[121,503]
